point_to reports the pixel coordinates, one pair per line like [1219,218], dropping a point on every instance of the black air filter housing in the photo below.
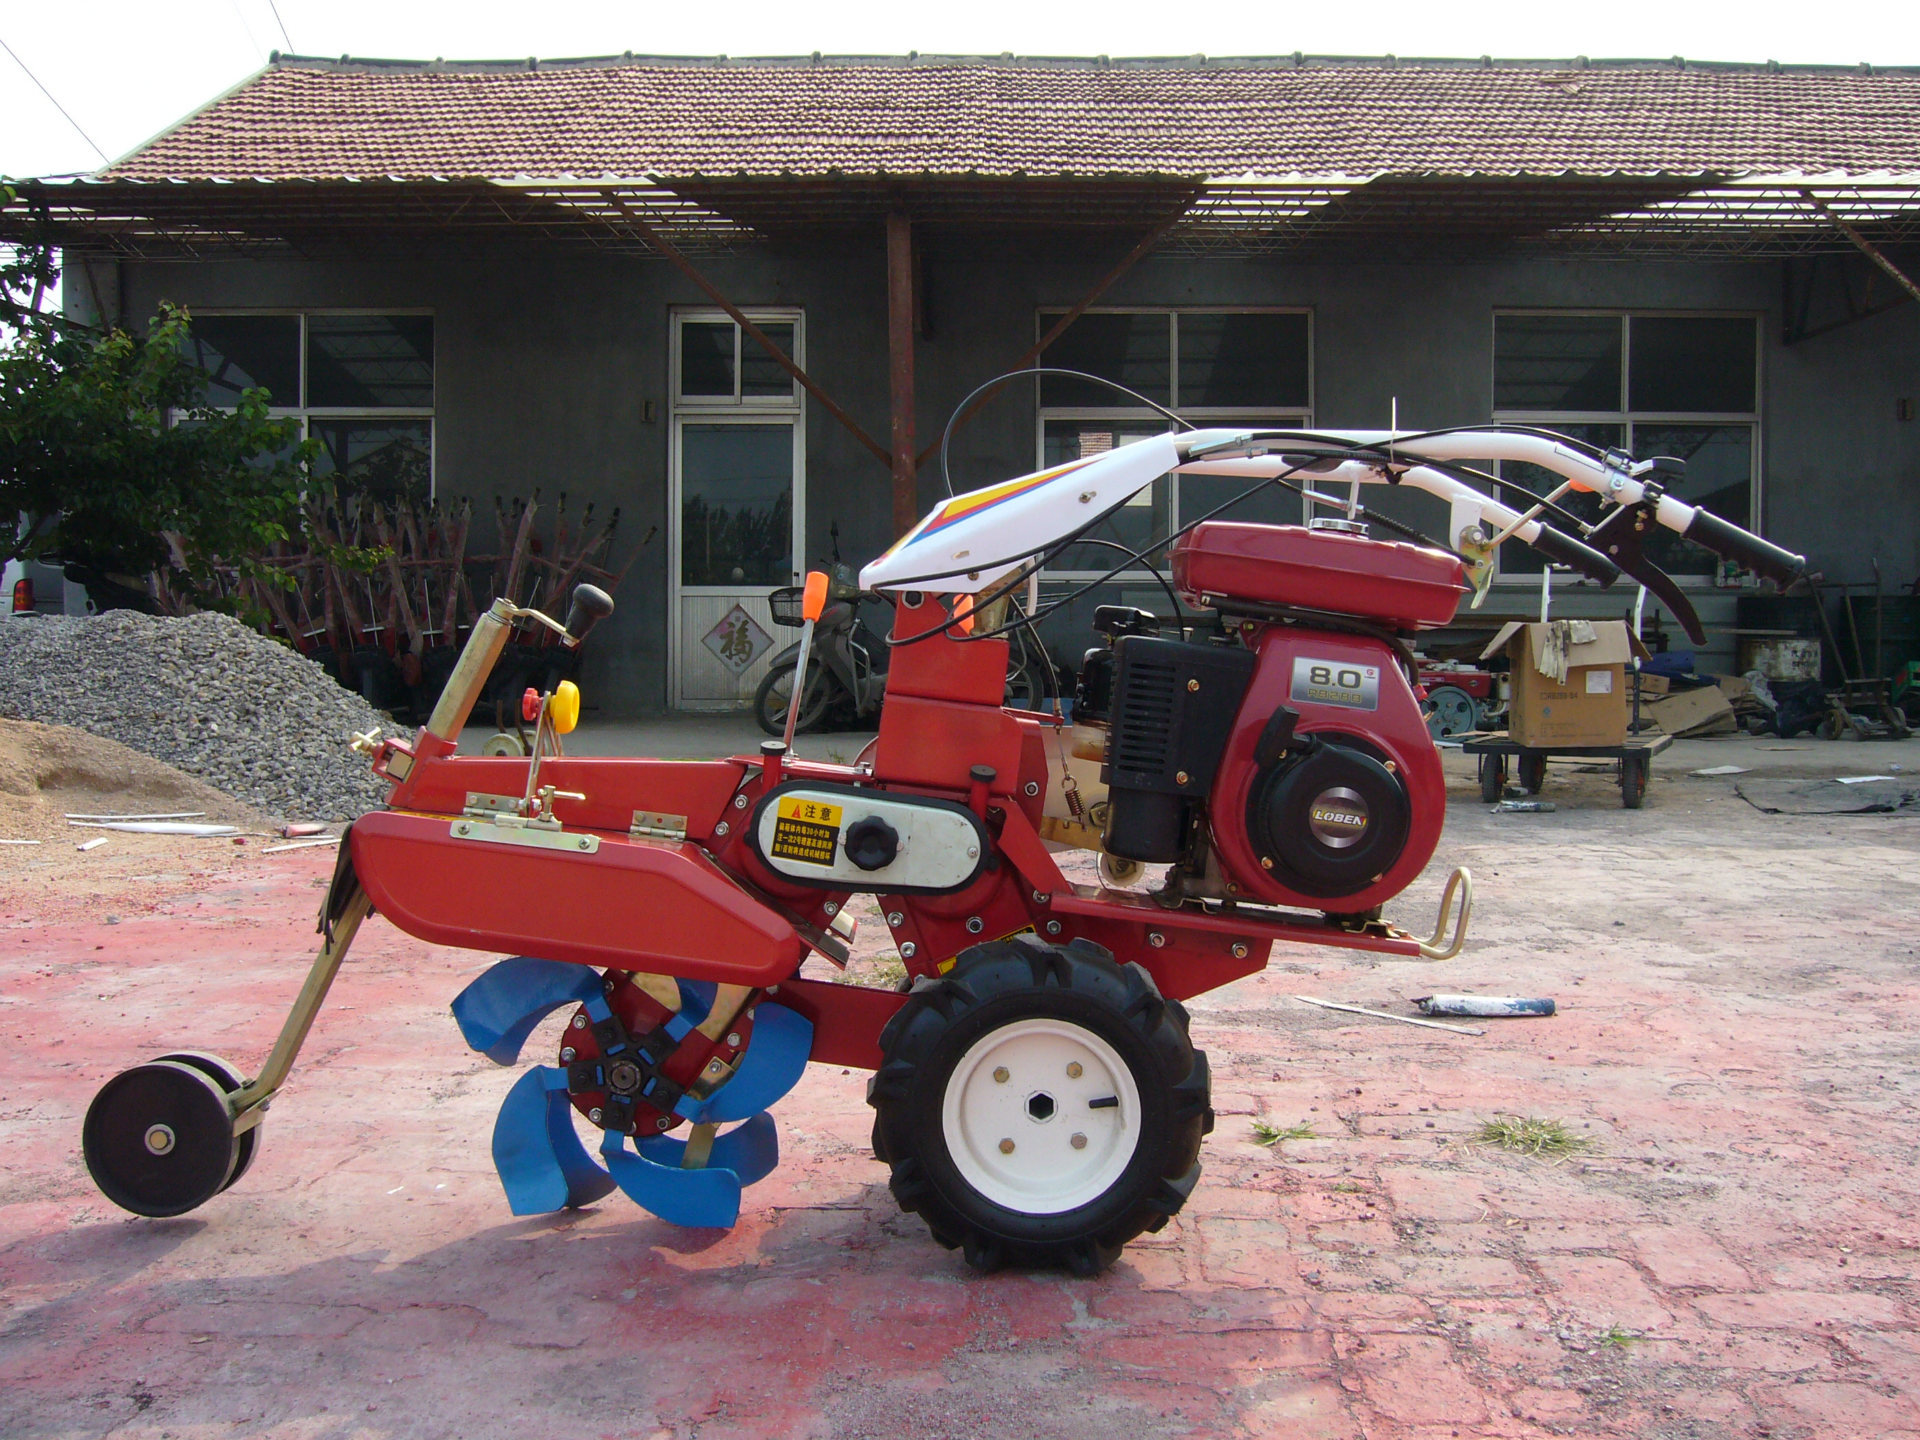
[1174,705]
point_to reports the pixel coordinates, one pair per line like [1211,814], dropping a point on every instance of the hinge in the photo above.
[653,825]
[485,807]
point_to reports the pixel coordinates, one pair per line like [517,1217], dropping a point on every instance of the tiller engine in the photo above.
[1037,1095]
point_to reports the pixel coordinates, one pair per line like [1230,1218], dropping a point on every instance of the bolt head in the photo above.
[1180,777]
[1266,862]
[895,919]
[1033,787]
[585,843]
[975,924]
[908,951]
[159,1139]
[722,830]
[829,909]
[973,852]
[739,802]
[567,1054]
[1000,1075]
[1006,1147]
[1074,1070]
[1192,686]
[1156,940]
[663,1123]
[1239,951]
[579,1022]
[594,1115]
[733,1039]
[1053,927]
[1078,1141]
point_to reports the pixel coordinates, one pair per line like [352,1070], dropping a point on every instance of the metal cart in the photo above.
[1530,762]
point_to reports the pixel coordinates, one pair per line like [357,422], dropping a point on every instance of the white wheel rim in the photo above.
[1040,1107]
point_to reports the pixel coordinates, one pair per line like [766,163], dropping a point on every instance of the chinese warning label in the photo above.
[805,830]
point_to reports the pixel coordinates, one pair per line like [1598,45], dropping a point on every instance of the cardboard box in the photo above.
[1652,687]
[1590,707]
[1693,712]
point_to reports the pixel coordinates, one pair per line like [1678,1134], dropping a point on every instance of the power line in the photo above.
[281,23]
[49,94]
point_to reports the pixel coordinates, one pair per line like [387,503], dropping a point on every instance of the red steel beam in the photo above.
[900,327]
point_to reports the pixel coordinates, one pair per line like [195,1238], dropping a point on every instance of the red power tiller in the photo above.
[1037,1095]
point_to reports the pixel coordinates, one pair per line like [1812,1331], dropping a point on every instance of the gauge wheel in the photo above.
[504,742]
[1451,711]
[771,700]
[158,1140]
[1533,773]
[1493,778]
[228,1077]
[1040,1105]
[1119,872]
[1633,780]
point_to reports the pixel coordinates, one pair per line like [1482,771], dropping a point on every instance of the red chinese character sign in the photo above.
[737,641]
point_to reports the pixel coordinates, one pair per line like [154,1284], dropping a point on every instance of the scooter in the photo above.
[1037,1095]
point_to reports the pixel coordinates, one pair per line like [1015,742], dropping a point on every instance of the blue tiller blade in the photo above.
[775,1060]
[750,1151]
[700,1199]
[542,1164]
[498,1011]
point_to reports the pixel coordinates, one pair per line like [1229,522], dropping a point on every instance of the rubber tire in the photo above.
[1025,978]
[1532,772]
[1633,780]
[227,1076]
[1024,690]
[813,711]
[205,1152]
[1493,778]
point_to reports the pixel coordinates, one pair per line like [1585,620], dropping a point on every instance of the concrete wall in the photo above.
[546,357]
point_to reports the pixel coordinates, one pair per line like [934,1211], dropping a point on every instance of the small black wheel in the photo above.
[775,694]
[158,1140]
[1633,780]
[1493,778]
[1040,1105]
[228,1077]
[1533,773]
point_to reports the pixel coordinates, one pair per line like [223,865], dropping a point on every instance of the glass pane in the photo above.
[370,360]
[1719,478]
[1243,360]
[706,358]
[386,459]
[1132,349]
[736,505]
[1556,362]
[239,352]
[1145,517]
[1516,556]
[760,373]
[1695,363]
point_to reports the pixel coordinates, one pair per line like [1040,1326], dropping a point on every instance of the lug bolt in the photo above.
[1079,1141]
[594,1115]
[1006,1147]
[1074,1070]
[567,1053]
[895,919]
[579,1022]
[733,1039]
[1000,1075]
[1053,927]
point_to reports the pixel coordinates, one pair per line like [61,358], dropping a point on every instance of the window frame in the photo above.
[737,403]
[1263,416]
[305,413]
[1628,418]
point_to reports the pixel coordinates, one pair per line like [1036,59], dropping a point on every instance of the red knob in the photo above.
[530,705]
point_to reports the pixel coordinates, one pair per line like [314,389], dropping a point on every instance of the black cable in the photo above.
[1179,615]
[946,435]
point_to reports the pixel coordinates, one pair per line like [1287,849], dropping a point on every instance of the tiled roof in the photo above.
[624,119]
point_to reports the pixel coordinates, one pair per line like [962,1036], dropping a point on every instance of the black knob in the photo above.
[591,605]
[872,843]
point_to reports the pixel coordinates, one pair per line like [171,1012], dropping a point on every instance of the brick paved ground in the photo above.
[1733,1257]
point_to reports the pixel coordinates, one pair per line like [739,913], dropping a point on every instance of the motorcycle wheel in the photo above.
[1024,690]
[775,695]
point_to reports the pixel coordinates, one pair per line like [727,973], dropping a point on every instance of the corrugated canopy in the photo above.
[1275,156]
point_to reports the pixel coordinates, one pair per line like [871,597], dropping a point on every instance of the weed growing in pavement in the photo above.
[1265,1134]
[1619,1339]
[1530,1135]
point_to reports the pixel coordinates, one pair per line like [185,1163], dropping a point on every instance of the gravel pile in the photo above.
[206,694]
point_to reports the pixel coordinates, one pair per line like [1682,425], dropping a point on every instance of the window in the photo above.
[1247,367]
[359,384]
[1652,384]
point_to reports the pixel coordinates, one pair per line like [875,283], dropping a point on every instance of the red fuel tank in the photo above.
[1407,587]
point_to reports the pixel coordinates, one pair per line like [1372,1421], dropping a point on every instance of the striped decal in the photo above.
[974,502]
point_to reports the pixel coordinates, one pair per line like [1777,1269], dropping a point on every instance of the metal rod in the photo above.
[1867,247]
[484,644]
[293,1034]
[799,682]
[1388,1015]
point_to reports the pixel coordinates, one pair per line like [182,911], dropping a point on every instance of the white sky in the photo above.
[127,70]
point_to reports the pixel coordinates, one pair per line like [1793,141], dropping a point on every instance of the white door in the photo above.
[737,500]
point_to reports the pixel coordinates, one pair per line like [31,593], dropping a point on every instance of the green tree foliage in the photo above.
[108,447]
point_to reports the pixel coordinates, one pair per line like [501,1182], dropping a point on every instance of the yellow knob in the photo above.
[564,708]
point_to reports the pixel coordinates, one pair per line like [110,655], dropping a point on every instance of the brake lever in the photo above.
[1620,538]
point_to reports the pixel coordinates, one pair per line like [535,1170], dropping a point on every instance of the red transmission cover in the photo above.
[1408,587]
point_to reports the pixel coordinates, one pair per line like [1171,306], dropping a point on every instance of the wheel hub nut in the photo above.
[1000,1076]
[1006,1147]
[623,1076]
[1079,1141]
[159,1139]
